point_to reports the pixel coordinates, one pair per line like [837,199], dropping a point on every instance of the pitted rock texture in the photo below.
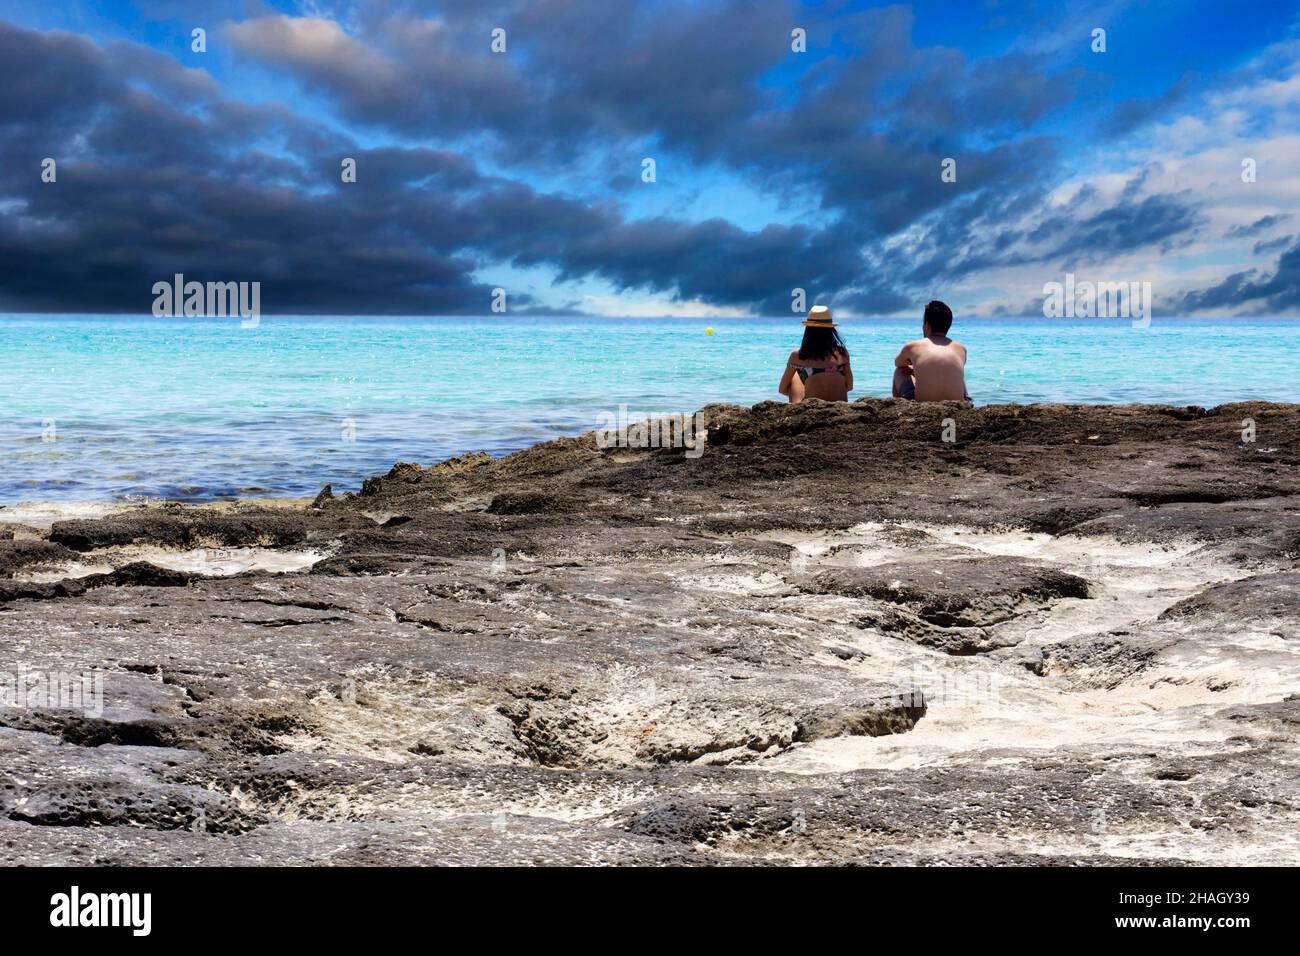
[1070,636]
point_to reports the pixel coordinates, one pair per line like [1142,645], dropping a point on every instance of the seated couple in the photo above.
[930,369]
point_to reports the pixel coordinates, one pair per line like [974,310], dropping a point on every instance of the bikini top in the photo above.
[807,371]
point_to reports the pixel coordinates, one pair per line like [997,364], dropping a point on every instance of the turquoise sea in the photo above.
[96,408]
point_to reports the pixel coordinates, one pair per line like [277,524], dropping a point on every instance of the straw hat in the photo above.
[820,317]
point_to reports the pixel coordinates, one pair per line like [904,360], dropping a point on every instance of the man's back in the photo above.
[939,368]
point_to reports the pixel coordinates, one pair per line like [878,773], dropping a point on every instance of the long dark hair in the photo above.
[820,344]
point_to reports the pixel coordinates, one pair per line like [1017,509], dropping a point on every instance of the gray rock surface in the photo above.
[1068,637]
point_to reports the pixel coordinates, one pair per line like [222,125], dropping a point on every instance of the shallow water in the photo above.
[96,408]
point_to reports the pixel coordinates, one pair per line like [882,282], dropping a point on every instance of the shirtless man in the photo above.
[932,369]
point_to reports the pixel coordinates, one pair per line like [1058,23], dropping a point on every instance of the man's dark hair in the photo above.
[939,317]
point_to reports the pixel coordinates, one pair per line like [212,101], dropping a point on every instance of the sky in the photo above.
[1171,156]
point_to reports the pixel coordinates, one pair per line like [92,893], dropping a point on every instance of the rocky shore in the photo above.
[876,633]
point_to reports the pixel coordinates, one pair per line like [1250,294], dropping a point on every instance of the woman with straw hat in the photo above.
[819,368]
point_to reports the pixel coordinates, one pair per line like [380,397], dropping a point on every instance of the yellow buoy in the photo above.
[709,330]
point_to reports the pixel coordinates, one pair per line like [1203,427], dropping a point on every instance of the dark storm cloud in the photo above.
[1079,236]
[867,132]
[573,73]
[159,173]
[763,267]
[1278,293]
[145,190]
[970,238]
[1272,245]
[1161,221]
[1260,225]
[1131,113]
